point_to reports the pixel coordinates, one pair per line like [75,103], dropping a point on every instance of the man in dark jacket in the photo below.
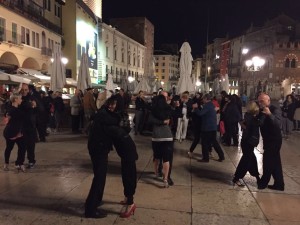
[29,110]
[270,119]
[208,128]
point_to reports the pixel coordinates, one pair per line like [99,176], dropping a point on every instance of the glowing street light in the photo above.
[64,60]
[253,65]
[245,51]
[131,79]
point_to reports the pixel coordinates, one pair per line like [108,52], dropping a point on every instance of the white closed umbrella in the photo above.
[58,76]
[143,86]
[132,85]
[185,65]
[225,84]
[84,77]
[124,83]
[110,86]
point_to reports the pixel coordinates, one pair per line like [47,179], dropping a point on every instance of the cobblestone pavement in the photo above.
[55,190]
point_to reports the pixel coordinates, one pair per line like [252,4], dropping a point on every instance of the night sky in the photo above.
[177,21]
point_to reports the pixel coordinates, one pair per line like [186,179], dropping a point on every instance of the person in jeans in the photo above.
[75,104]
[140,106]
[90,108]
[196,124]
[13,133]
[208,128]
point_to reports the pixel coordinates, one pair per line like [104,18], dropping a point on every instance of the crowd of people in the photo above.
[103,117]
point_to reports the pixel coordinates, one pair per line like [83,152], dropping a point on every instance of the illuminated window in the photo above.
[33,38]
[57,10]
[2,29]
[47,5]
[14,31]
[37,40]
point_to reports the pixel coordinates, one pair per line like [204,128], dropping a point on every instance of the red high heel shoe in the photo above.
[129,211]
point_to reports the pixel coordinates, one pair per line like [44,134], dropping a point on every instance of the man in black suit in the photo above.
[270,118]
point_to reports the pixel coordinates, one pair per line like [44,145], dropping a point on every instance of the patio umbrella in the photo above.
[132,85]
[110,86]
[157,85]
[185,66]
[58,76]
[6,78]
[84,78]
[143,86]
[225,83]
[124,83]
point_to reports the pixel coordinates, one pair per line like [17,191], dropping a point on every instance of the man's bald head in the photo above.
[264,100]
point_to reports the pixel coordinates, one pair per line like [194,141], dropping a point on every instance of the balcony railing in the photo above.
[6,36]
[31,11]
[46,51]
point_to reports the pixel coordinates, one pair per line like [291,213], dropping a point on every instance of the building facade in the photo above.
[277,42]
[166,69]
[28,32]
[109,51]
[120,55]
[95,6]
[141,30]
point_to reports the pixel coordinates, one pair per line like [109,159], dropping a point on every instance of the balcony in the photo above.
[46,51]
[7,37]
[31,11]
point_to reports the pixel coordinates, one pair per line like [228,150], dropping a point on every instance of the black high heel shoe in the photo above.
[237,182]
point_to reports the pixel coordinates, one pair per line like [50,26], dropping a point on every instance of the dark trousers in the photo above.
[95,195]
[197,136]
[247,162]
[139,121]
[21,150]
[209,138]
[231,131]
[272,166]
[29,139]
[129,179]
[41,125]
[75,122]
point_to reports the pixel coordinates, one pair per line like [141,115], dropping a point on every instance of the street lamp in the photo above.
[245,51]
[198,84]
[64,60]
[253,65]
[131,79]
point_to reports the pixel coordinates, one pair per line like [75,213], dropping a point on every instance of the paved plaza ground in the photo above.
[53,193]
